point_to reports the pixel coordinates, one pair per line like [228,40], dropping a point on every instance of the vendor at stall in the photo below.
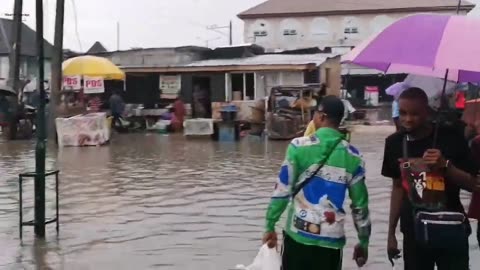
[117,107]
[178,114]
[94,103]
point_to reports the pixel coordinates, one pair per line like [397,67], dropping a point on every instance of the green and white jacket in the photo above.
[316,215]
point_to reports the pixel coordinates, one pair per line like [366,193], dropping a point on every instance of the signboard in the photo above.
[371,95]
[72,83]
[170,85]
[93,85]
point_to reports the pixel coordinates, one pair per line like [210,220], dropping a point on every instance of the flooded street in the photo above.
[162,202]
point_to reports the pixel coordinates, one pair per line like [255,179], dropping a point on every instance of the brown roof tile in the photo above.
[283,8]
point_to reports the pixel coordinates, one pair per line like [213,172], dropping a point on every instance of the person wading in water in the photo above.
[317,172]
[428,172]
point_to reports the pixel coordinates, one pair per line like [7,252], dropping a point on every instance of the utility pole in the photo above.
[14,64]
[230,30]
[118,36]
[229,27]
[40,149]
[57,59]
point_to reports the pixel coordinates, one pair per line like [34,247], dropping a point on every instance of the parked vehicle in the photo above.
[289,111]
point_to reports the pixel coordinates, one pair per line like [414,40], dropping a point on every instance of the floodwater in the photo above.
[163,202]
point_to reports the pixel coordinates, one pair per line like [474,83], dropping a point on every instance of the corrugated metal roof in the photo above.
[352,69]
[266,59]
[281,8]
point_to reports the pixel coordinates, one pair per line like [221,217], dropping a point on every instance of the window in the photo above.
[351,26]
[289,32]
[260,33]
[320,29]
[311,76]
[243,86]
[351,30]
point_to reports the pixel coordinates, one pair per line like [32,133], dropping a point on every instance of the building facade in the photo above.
[28,59]
[289,25]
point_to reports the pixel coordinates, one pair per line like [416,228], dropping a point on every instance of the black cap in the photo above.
[332,106]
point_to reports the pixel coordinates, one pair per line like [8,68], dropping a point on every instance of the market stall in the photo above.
[83,130]
[81,121]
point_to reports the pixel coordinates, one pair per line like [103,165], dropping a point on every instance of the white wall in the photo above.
[4,67]
[25,70]
[328,31]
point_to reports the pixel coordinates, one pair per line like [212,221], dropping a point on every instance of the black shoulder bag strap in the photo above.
[405,148]
[321,164]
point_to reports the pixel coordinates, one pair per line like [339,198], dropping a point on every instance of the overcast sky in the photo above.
[143,23]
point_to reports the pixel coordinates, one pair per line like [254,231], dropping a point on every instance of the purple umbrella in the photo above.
[425,44]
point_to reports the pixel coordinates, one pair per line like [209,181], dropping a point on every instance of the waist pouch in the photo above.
[444,230]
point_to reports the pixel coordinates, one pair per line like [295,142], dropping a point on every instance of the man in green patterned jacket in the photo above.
[314,234]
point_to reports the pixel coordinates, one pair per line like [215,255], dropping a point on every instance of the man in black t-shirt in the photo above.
[449,163]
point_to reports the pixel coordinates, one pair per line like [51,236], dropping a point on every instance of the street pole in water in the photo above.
[40,150]
[57,59]
[14,70]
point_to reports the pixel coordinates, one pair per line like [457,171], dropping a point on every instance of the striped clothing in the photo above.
[95,104]
[316,215]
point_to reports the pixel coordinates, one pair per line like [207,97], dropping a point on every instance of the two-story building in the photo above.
[279,25]
[287,25]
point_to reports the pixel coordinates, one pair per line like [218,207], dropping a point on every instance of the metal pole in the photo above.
[41,145]
[20,205]
[14,69]
[231,32]
[57,59]
[459,6]
[118,36]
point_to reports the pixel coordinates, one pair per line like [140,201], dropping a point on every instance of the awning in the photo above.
[266,62]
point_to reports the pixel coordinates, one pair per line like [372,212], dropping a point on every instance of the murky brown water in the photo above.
[159,202]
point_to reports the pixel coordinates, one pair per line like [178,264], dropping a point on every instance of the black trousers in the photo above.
[296,256]
[417,257]
[478,233]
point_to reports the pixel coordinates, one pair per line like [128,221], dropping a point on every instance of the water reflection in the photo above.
[161,202]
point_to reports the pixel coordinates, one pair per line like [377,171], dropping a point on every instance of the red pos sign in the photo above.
[72,83]
[93,85]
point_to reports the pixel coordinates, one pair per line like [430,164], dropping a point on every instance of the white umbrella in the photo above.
[432,86]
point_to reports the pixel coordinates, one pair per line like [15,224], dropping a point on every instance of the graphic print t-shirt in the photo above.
[453,146]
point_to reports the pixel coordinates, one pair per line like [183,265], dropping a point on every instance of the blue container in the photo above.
[229,113]
[226,133]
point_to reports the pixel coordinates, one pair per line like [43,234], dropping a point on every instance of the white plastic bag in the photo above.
[267,259]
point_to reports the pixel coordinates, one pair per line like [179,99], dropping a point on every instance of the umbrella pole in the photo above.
[442,106]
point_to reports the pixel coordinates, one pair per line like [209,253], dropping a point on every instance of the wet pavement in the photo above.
[163,202]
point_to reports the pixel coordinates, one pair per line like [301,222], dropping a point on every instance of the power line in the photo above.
[76,24]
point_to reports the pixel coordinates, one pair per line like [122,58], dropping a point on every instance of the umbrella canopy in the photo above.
[92,66]
[424,44]
[432,86]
